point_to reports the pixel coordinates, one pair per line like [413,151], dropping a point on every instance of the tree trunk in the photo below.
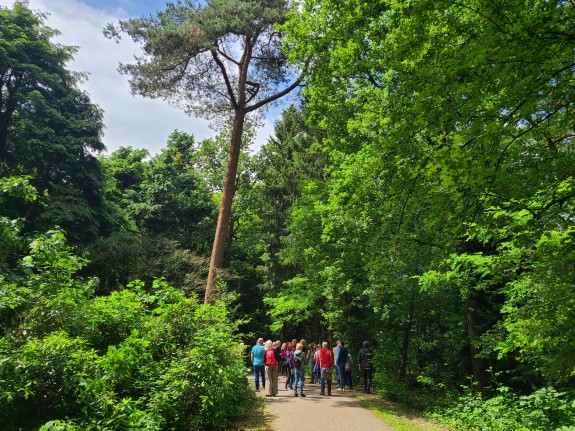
[405,352]
[225,212]
[479,366]
[407,329]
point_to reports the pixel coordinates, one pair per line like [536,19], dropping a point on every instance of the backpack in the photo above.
[297,363]
[348,363]
[342,357]
[367,359]
[291,360]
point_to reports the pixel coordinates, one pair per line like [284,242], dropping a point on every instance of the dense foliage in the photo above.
[420,198]
[49,130]
[137,359]
[442,231]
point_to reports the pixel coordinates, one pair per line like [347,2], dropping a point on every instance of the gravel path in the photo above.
[320,413]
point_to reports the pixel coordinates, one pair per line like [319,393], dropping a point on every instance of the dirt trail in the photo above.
[318,412]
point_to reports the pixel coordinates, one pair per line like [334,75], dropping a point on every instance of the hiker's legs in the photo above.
[288,377]
[274,379]
[322,380]
[340,375]
[269,386]
[368,379]
[348,379]
[259,374]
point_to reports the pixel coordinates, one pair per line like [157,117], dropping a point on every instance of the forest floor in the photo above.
[348,410]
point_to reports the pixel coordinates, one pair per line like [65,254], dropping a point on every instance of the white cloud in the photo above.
[130,120]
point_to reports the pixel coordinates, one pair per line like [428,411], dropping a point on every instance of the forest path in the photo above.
[319,412]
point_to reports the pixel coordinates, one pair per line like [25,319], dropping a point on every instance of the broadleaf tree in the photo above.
[218,59]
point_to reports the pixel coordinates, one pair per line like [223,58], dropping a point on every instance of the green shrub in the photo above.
[130,360]
[544,410]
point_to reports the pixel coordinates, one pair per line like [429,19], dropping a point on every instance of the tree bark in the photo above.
[479,366]
[405,351]
[225,205]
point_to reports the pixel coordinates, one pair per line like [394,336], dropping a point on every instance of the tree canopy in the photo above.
[49,129]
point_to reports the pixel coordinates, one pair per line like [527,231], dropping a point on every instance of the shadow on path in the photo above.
[319,412]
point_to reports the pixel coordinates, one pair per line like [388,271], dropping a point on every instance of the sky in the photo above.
[129,120]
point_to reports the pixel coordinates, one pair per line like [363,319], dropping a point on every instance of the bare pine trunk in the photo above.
[225,213]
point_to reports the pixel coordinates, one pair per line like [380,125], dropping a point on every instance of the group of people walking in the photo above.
[269,359]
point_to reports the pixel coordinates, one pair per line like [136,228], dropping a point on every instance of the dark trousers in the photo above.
[289,376]
[367,376]
[259,372]
[348,379]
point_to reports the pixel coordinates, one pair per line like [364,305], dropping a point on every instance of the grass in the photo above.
[257,418]
[399,418]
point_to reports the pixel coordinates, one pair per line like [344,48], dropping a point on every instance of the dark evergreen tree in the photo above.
[49,129]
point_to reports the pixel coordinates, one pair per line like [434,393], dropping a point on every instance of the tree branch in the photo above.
[273,97]
[227,57]
[226,78]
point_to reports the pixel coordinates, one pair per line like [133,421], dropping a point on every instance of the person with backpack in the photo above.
[340,359]
[365,363]
[299,369]
[347,370]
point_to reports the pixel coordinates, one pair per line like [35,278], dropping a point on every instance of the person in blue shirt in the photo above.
[257,357]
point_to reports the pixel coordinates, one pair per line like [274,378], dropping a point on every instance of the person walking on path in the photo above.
[287,362]
[316,369]
[277,346]
[340,359]
[257,357]
[271,370]
[325,364]
[299,369]
[310,357]
[365,363]
[347,371]
[335,350]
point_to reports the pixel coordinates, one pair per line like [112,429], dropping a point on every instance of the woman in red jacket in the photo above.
[271,370]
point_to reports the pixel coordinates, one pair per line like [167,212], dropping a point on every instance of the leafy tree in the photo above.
[221,57]
[48,128]
[450,130]
[167,213]
[176,201]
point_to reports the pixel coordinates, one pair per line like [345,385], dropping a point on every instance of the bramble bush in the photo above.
[70,360]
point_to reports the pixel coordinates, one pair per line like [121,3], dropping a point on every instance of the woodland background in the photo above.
[420,196]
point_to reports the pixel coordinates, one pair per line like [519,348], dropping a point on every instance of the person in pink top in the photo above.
[287,355]
[325,361]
